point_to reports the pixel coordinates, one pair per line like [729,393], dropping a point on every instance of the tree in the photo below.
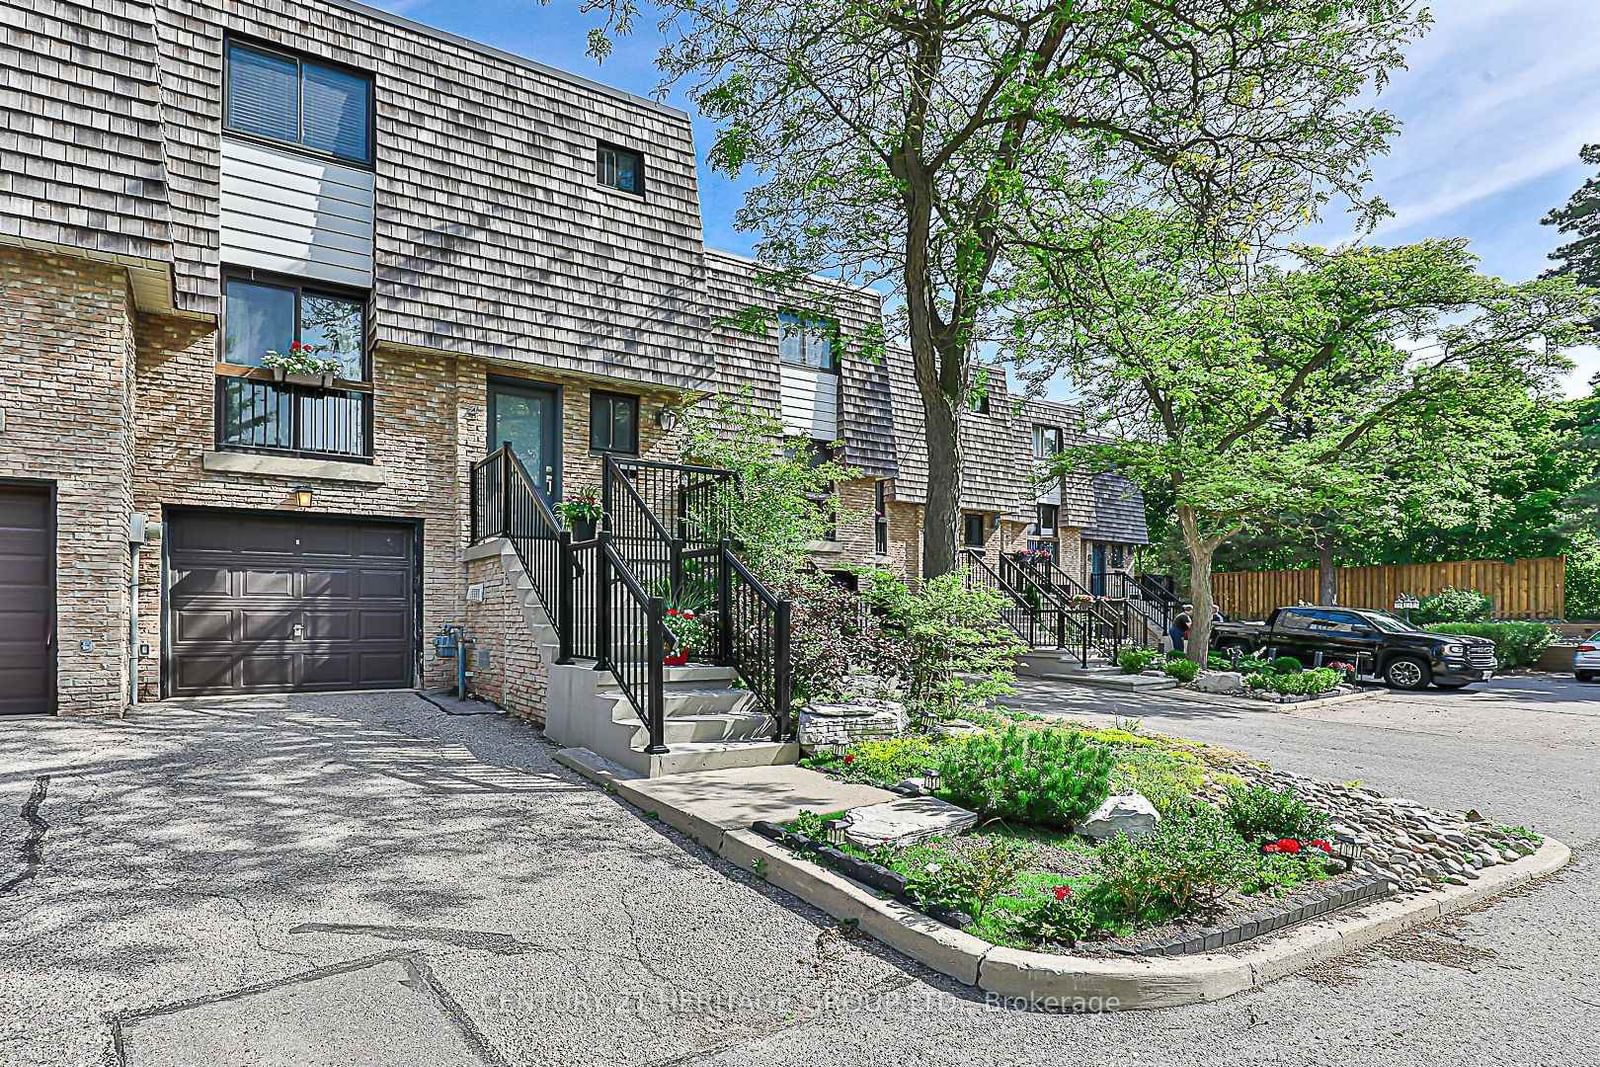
[1579,259]
[1291,391]
[914,143]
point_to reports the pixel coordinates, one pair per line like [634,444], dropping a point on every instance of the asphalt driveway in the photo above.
[368,880]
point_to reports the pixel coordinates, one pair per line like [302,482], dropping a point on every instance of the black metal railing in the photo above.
[1035,617]
[755,636]
[1107,621]
[1151,606]
[664,541]
[262,416]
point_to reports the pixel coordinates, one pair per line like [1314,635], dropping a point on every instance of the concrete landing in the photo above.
[1103,677]
[707,804]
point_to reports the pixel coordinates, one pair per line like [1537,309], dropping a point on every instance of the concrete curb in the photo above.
[1234,700]
[1048,982]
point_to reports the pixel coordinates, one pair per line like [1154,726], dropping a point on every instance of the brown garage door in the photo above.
[27,601]
[271,604]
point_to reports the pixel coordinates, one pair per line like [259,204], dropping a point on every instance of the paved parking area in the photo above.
[367,880]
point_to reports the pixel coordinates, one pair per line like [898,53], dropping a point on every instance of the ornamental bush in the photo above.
[1453,605]
[1134,660]
[1516,644]
[1261,813]
[1184,670]
[1302,683]
[882,763]
[1044,777]
[1287,665]
[1185,866]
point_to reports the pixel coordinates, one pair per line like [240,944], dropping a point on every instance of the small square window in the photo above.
[807,341]
[619,168]
[1046,441]
[978,401]
[972,530]
[613,422]
[1047,519]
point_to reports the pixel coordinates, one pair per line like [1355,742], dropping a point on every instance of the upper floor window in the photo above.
[807,341]
[978,401]
[1046,441]
[613,422]
[973,532]
[1047,519]
[262,317]
[619,168]
[303,102]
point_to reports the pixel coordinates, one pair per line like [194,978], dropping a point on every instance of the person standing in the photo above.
[1179,630]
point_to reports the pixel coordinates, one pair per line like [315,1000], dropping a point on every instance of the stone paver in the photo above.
[195,852]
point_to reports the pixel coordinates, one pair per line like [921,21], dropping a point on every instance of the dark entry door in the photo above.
[262,604]
[27,600]
[529,416]
[1097,570]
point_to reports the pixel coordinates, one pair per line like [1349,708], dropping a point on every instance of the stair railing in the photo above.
[1108,621]
[1037,619]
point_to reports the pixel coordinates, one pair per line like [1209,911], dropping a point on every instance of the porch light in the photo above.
[302,496]
[666,418]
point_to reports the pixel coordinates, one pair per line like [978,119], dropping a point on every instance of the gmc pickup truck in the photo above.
[1375,642]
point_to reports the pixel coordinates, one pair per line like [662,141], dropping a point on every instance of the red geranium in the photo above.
[849,757]
[1271,847]
[1062,892]
[1323,845]
[1288,844]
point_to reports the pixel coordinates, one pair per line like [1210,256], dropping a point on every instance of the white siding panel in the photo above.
[810,403]
[296,215]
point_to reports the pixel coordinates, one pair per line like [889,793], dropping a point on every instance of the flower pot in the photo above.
[582,529]
[677,658]
[278,373]
[328,380]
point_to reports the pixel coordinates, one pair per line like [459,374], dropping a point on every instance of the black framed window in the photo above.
[973,530]
[619,168]
[1048,514]
[613,422]
[283,97]
[282,414]
[1046,441]
[880,517]
[808,341]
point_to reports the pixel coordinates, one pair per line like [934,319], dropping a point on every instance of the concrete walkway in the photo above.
[365,880]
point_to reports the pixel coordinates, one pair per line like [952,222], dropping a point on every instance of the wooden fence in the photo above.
[1521,589]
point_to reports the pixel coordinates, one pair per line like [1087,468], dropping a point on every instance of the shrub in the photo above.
[1253,665]
[1261,813]
[1583,577]
[1134,660]
[1057,917]
[1185,866]
[1516,644]
[1287,665]
[832,638]
[968,879]
[1453,605]
[1303,683]
[1184,670]
[1047,777]
[1167,777]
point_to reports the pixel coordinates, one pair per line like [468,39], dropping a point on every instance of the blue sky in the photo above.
[1496,102]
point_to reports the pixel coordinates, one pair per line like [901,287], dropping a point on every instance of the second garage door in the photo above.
[263,604]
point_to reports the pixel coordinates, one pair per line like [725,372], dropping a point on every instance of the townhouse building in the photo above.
[480,249]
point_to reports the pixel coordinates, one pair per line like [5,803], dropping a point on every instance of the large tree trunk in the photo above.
[1200,550]
[942,516]
[1327,573]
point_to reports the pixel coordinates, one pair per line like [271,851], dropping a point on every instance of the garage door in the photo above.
[27,600]
[272,604]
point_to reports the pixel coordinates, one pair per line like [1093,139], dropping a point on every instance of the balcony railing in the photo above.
[258,415]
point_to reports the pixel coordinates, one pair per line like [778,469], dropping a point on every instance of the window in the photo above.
[807,341]
[258,413]
[972,530]
[282,97]
[619,168]
[814,454]
[978,401]
[613,422]
[880,517]
[1046,441]
[1047,519]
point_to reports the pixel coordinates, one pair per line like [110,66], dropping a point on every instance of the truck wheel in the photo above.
[1585,676]
[1407,672]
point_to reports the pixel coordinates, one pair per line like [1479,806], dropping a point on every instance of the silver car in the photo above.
[1586,659]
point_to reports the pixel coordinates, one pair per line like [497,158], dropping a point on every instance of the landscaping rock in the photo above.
[1220,682]
[905,821]
[1127,813]
[846,723]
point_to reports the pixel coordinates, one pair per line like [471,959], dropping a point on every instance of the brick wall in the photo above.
[415,448]
[515,676]
[65,352]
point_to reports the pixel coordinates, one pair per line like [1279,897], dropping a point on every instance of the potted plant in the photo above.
[302,366]
[582,511]
[687,632]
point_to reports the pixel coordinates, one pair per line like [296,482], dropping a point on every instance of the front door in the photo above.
[27,600]
[529,416]
[1097,570]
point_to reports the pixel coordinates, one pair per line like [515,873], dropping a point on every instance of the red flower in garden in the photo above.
[1062,892]
[849,757]
[1270,847]
[1323,845]
[672,611]
[1288,844]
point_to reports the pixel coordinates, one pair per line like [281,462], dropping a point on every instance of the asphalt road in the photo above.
[366,880]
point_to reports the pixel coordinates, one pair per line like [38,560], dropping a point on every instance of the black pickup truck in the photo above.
[1376,642]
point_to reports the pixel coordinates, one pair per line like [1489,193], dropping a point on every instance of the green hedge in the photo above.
[1516,644]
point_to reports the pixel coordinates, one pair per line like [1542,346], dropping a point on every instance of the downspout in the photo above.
[133,626]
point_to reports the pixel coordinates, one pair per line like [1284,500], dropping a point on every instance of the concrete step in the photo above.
[691,675]
[1102,676]
[683,703]
[686,729]
[720,755]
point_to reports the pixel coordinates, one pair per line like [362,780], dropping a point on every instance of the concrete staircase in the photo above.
[711,723]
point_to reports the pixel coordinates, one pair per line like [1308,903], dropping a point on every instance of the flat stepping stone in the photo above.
[906,821]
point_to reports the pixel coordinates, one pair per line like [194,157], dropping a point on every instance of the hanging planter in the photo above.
[303,367]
